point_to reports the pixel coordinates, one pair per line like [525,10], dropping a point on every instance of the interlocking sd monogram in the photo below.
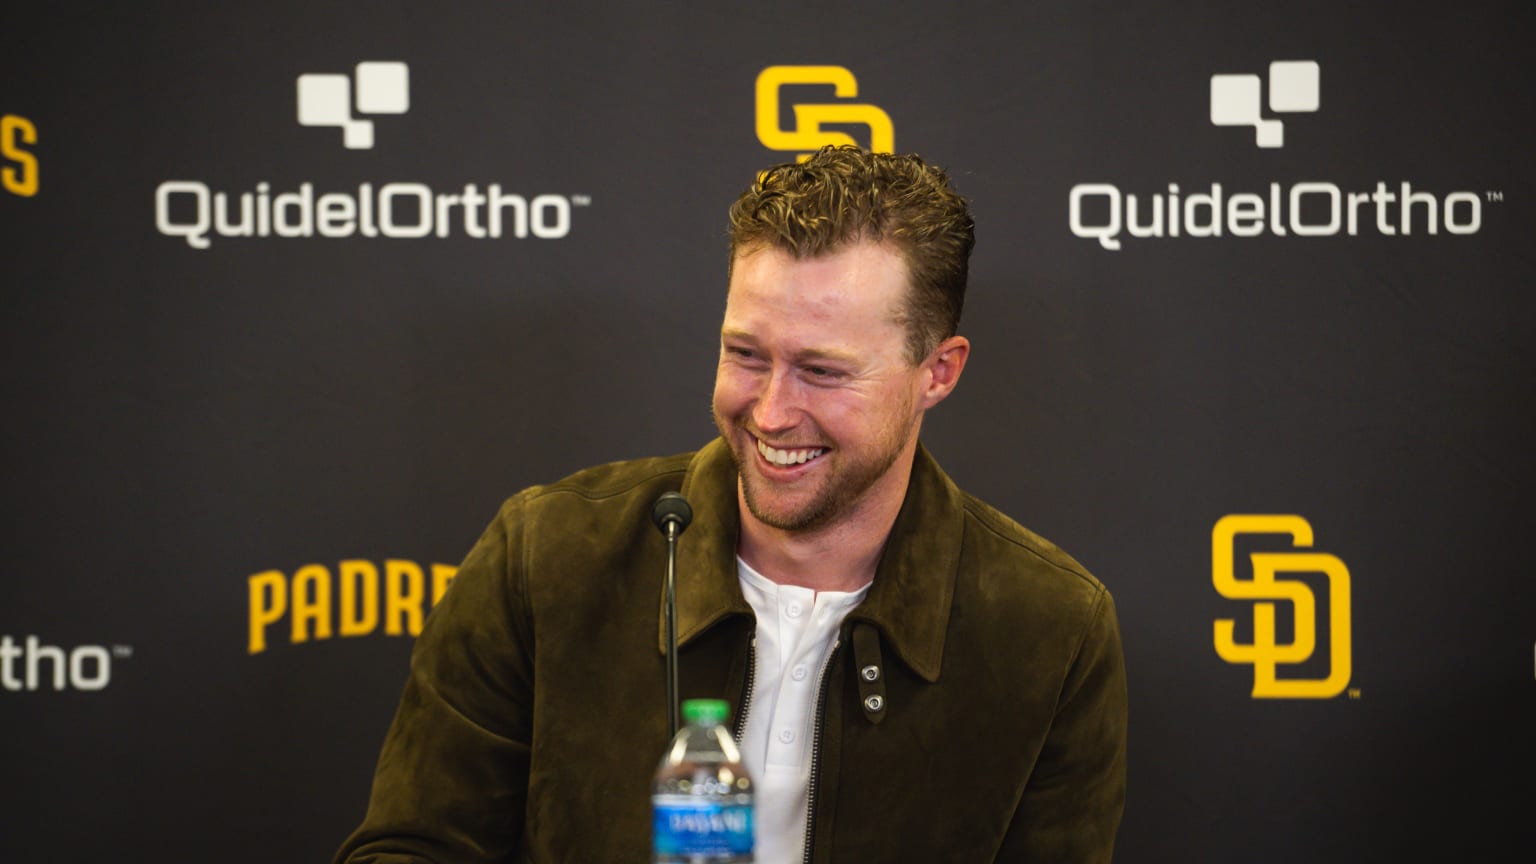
[808,135]
[1264,653]
[19,174]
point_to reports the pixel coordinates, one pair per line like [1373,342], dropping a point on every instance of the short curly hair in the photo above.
[844,195]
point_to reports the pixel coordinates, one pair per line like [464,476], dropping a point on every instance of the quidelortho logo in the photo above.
[19,174]
[326,100]
[1265,653]
[198,213]
[28,665]
[1294,87]
[353,600]
[1103,212]
[808,134]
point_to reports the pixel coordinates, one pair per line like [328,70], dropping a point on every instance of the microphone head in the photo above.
[671,508]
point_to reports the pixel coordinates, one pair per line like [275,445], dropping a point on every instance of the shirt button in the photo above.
[787,736]
[794,609]
[799,672]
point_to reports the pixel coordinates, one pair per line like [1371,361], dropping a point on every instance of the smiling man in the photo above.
[914,676]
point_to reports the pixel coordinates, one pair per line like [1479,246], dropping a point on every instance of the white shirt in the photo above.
[796,630]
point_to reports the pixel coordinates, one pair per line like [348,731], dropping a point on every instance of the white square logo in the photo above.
[381,87]
[1294,87]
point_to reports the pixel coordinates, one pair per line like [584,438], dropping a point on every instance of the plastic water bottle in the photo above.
[702,797]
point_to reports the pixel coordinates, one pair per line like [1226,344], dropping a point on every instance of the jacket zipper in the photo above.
[746,690]
[810,790]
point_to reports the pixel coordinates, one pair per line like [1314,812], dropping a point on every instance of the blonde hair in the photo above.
[843,195]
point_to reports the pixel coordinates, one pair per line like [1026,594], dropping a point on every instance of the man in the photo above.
[915,677]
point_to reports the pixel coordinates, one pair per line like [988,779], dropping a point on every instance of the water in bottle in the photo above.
[702,797]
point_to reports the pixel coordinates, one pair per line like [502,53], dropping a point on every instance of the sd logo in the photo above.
[22,178]
[808,135]
[1264,652]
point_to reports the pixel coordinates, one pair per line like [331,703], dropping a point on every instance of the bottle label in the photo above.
[698,825]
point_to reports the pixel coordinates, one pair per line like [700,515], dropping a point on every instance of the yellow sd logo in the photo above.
[14,132]
[1264,653]
[808,136]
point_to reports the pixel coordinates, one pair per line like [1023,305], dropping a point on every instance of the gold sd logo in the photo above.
[1265,588]
[14,132]
[808,136]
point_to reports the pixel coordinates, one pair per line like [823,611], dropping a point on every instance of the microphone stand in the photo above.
[672,628]
[671,514]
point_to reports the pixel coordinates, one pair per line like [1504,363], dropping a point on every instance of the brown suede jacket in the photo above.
[534,714]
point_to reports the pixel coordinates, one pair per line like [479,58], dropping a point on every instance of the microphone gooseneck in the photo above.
[671,514]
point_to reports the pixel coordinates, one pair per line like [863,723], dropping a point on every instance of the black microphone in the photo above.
[671,514]
[671,509]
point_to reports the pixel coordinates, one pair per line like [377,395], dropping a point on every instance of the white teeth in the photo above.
[788,457]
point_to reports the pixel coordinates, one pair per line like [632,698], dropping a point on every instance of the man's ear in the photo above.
[942,370]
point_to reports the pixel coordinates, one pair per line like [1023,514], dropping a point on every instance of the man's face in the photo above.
[814,392]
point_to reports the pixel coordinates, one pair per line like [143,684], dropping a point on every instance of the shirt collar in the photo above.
[909,600]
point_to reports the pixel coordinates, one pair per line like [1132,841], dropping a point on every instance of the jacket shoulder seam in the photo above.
[577,484]
[1009,531]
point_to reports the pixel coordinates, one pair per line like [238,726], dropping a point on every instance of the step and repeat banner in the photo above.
[295,294]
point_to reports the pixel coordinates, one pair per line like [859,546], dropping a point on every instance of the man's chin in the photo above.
[783,518]
[786,513]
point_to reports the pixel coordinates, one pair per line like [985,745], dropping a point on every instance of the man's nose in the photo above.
[778,405]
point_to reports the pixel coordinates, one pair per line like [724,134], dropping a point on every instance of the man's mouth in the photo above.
[787,457]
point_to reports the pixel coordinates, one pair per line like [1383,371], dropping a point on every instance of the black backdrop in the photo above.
[186,423]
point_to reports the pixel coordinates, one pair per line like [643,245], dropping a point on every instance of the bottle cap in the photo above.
[705,712]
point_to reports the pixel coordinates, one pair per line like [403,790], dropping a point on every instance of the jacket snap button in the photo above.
[874,703]
[870,673]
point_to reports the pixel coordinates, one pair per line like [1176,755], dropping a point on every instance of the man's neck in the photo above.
[841,556]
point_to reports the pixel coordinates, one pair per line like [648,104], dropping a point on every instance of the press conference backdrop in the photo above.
[296,294]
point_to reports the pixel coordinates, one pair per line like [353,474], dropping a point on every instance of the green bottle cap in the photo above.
[705,712]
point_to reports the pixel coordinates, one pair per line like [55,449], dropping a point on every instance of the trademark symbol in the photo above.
[122,652]
[1354,692]
[1494,195]
[586,200]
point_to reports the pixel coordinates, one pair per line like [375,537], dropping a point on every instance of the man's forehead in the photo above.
[845,309]
[861,269]
[853,244]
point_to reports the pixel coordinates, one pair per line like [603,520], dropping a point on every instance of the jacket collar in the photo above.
[908,602]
